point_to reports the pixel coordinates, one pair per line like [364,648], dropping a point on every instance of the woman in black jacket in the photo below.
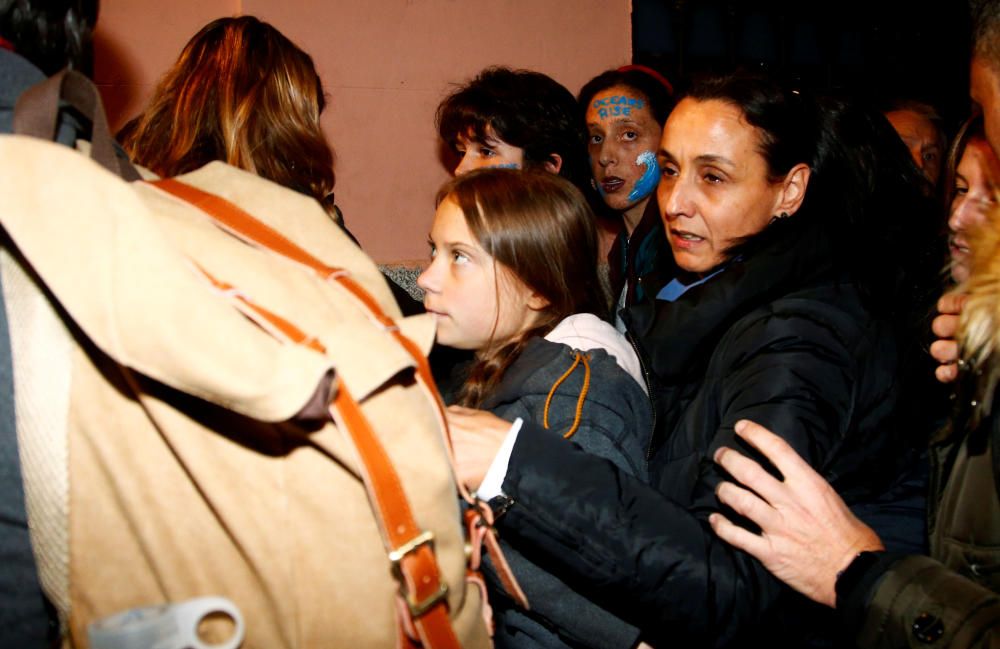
[784,315]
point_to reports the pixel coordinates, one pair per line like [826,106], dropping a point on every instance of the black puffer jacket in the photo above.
[779,337]
[614,422]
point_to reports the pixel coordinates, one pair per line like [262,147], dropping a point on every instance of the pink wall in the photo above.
[385,65]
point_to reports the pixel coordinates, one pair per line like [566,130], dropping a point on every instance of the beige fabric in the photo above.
[40,350]
[179,486]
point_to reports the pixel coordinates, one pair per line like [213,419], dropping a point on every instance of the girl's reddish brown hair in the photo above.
[538,228]
[241,92]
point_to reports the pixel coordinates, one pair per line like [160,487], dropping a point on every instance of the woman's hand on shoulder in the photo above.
[476,436]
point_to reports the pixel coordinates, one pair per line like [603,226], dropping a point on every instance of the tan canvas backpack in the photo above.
[216,397]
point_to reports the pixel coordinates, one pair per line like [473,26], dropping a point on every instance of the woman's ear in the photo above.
[553,164]
[793,189]
[536,302]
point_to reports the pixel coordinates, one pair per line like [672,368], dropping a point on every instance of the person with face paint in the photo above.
[624,111]
[514,119]
[510,119]
[789,319]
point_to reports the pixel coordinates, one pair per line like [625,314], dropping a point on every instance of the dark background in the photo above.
[872,51]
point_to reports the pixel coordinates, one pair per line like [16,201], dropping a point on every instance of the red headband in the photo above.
[5,44]
[651,72]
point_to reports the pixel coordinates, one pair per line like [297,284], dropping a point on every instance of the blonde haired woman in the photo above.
[243,93]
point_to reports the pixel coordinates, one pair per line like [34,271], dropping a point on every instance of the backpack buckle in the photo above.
[417,608]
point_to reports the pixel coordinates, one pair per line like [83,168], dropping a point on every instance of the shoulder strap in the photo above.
[36,114]
[410,549]
[240,223]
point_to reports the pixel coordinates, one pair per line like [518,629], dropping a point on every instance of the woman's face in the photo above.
[976,180]
[922,138]
[622,140]
[714,188]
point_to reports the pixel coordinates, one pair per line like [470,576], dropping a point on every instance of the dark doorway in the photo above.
[874,51]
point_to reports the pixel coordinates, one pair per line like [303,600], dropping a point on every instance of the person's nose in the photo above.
[674,197]
[608,153]
[466,164]
[429,280]
[968,211]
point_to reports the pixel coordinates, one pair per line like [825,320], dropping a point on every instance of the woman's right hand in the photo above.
[945,327]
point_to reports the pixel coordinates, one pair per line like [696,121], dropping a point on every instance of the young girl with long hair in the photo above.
[513,278]
[783,213]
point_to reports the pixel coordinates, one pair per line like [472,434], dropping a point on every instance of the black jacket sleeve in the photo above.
[641,552]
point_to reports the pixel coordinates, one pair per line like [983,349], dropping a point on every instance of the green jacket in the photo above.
[949,599]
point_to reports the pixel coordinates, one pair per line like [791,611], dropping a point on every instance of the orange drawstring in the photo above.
[579,402]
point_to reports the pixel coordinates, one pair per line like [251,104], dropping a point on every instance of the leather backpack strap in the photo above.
[243,225]
[240,223]
[36,113]
[410,549]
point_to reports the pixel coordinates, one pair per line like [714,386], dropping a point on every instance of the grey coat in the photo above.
[615,424]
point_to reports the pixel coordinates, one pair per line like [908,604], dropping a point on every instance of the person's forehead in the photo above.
[983,79]
[909,122]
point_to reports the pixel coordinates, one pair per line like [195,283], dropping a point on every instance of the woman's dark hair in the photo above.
[865,192]
[52,34]
[867,203]
[786,121]
[526,109]
[243,93]
[654,90]
[889,231]
[538,228]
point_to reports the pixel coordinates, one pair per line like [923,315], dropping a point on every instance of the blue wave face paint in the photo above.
[650,177]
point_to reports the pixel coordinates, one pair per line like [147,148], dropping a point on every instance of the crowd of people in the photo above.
[744,434]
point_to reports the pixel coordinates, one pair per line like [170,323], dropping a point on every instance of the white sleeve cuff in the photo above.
[492,483]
